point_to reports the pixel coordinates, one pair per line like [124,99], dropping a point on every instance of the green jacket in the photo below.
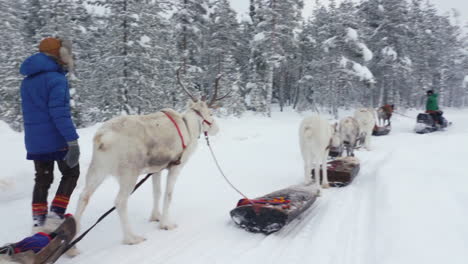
[431,104]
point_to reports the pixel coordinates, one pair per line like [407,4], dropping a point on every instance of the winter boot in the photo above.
[53,221]
[38,223]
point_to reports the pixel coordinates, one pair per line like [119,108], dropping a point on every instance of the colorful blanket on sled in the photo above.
[273,201]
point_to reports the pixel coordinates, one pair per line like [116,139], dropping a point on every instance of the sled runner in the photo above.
[426,124]
[269,213]
[49,254]
[341,171]
[381,131]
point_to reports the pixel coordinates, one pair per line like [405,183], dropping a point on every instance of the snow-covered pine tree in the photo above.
[126,67]
[161,56]
[150,66]
[242,56]
[12,53]
[221,48]
[273,44]
[387,35]
[190,22]
[335,68]
[98,97]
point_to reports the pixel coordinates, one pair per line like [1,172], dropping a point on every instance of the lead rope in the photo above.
[403,115]
[221,171]
[78,239]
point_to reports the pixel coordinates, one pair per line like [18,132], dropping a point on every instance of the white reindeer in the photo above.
[366,120]
[316,137]
[129,146]
[349,134]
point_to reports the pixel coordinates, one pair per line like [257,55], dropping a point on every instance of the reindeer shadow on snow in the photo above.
[128,146]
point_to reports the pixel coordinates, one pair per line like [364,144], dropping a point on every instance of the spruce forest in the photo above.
[345,54]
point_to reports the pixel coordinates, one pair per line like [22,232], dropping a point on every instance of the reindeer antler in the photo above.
[215,97]
[183,87]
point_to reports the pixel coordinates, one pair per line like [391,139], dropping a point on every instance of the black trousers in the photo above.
[45,177]
[437,117]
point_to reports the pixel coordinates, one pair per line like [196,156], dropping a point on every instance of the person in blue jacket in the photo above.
[50,135]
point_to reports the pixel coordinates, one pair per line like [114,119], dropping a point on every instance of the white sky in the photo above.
[241,6]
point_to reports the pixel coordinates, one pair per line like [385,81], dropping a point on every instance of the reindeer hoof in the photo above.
[133,240]
[325,186]
[155,217]
[167,226]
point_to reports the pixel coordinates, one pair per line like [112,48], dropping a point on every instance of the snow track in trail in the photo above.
[407,205]
[339,228]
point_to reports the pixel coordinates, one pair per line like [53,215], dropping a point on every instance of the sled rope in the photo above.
[221,171]
[78,239]
[404,115]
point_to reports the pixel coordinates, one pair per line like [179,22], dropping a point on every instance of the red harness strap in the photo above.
[178,129]
[200,115]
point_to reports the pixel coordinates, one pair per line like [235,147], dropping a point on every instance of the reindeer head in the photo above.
[203,108]
[208,122]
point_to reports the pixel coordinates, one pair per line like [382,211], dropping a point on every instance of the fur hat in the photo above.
[51,46]
[61,50]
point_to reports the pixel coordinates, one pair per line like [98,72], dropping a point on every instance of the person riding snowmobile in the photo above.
[432,107]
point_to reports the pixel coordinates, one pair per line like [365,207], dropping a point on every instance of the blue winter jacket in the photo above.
[46,106]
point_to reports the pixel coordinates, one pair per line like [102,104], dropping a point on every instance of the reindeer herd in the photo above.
[128,146]
[317,137]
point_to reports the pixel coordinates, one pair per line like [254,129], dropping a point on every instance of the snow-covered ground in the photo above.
[407,205]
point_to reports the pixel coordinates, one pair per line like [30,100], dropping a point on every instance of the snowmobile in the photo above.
[425,124]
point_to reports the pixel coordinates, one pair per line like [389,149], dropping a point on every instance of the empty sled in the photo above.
[342,171]
[381,131]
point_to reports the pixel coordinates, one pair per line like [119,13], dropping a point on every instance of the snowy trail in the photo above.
[407,205]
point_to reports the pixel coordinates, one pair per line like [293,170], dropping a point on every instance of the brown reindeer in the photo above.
[384,113]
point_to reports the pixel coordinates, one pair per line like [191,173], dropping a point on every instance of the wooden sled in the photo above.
[269,213]
[341,171]
[54,250]
[381,131]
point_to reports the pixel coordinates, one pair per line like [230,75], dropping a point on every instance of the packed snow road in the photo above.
[407,204]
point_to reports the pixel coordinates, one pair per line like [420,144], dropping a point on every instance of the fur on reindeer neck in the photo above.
[193,123]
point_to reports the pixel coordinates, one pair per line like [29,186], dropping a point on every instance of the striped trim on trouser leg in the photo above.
[39,211]
[59,204]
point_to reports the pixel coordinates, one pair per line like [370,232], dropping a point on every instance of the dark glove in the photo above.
[73,154]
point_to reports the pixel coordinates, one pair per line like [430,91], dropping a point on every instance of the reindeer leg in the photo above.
[307,172]
[171,179]
[317,176]
[325,183]
[94,179]
[353,147]
[367,141]
[127,181]
[155,214]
